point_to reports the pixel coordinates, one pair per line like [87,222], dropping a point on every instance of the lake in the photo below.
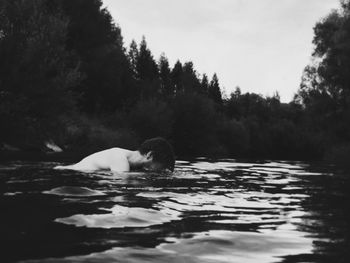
[206,211]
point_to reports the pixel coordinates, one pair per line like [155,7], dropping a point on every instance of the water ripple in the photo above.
[206,211]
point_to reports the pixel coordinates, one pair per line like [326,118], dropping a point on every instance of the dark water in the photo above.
[206,211]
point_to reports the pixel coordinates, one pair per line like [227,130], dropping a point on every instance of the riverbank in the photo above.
[40,156]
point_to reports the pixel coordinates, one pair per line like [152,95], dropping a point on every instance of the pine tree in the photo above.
[176,76]
[167,86]
[146,65]
[214,91]
[133,55]
[94,37]
[147,71]
[189,78]
[204,85]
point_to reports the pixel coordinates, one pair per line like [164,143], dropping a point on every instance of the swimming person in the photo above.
[154,155]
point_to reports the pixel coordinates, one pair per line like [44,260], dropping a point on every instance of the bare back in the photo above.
[115,159]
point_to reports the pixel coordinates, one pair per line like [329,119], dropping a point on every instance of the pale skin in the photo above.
[114,159]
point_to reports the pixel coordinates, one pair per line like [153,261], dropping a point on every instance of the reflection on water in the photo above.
[121,216]
[206,211]
[73,191]
[211,246]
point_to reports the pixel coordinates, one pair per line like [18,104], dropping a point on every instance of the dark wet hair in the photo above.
[162,152]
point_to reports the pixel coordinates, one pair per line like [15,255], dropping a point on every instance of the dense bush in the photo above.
[234,137]
[339,154]
[36,71]
[151,118]
[195,125]
[88,135]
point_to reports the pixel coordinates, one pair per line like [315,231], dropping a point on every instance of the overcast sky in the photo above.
[260,45]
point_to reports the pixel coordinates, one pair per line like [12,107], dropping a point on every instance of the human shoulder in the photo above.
[119,160]
[118,152]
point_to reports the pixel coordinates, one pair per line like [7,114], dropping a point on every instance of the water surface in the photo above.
[206,211]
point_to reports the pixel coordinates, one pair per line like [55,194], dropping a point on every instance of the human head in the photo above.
[161,151]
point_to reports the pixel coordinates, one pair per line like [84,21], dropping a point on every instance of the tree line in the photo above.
[67,76]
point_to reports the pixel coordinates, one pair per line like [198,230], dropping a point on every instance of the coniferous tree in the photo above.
[94,37]
[176,76]
[147,71]
[189,78]
[204,87]
[167,86]
[146,65]
[233,107]
[214,91]
[91,26]
[133,55]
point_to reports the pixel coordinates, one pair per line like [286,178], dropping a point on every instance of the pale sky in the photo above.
[261,46]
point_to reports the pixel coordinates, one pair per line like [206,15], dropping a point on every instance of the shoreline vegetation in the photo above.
[67,77]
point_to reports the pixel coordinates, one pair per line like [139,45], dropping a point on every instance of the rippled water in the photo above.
[206,211]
